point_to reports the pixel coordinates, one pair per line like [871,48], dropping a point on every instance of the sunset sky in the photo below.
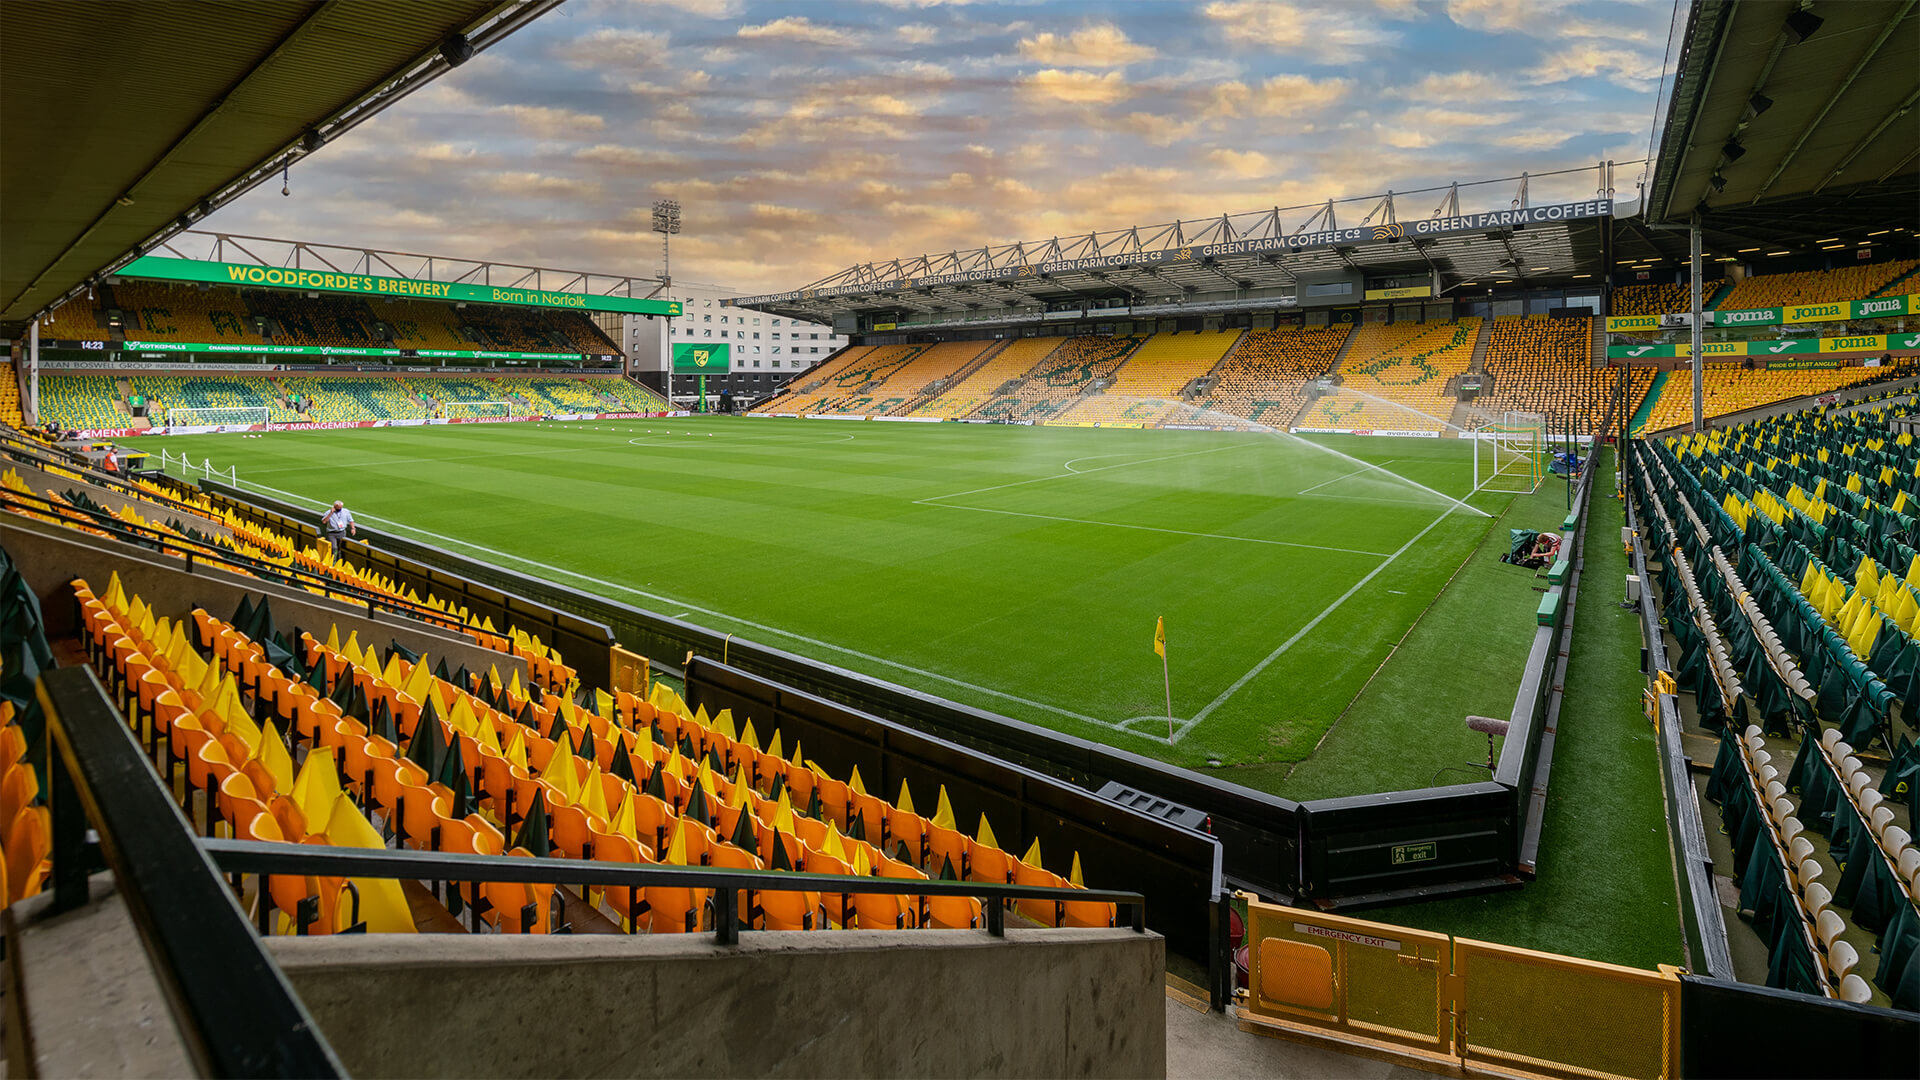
[805,138]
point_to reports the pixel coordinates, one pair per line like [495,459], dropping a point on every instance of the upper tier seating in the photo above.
[1265,380]
[158,311]
[420,324]
[76,320]
[1812,286]
[1395,377]
[1146,388]
[1659,299]
[1066,372]
[976,389]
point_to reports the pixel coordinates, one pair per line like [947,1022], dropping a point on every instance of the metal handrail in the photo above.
[256,857]
[236,1013]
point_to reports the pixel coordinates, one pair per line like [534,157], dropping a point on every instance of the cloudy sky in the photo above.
[805,138]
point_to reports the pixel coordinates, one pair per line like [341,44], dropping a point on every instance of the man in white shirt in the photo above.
[337,523]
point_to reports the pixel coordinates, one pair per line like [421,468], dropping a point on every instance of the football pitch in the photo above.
[1019,570]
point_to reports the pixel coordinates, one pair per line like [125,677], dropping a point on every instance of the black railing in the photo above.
[235,1011]
[234,1008]
[253,857]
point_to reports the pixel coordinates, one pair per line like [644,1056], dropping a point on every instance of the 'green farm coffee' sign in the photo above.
[245,275]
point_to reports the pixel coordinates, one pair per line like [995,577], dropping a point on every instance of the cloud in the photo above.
[1539,18]
[1075,87]
[1332,34]
[610,154]
[798,28]
[548,123]
[1095,45]
[1460,86]
[1586,60]
[1292,95]
[535,184]
[916,33]
[1248,163]
[610,46]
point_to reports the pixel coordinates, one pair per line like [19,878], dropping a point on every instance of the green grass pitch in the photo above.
[1016,569]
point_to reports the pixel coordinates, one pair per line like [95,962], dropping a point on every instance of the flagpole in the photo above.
[1168,676]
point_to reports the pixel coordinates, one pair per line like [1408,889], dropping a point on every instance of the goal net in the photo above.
[475,409]
[1510,453]
[236,419]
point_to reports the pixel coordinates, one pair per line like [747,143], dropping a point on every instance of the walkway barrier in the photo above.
[1452,998]
[1456,1003]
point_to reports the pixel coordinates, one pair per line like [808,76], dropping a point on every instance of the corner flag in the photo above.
[1160,647]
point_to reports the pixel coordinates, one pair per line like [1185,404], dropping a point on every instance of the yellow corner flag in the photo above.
[1160,637]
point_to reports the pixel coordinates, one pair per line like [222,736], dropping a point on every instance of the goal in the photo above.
[1510,453]
[233,419]
[473,410]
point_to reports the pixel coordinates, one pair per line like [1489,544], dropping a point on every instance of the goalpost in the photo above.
[239,419]
[1510,453]
[474,410]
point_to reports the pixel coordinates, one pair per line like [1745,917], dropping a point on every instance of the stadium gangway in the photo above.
[237,1014]
[205,552]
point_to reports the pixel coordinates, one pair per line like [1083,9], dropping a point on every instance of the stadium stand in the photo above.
[223,391]
[417,324]
[1652,299]
[975,389]
[1265,379]
[79,319]
[1545,366]
[154,311]
[82,402]
[1813,286]
[10,395]
[856,375]
[1066,372]
[1785,545]
[273,734]
[1147,386]
[94,402]
[327,320]
[907,384]
[1403,370]
[1729,388]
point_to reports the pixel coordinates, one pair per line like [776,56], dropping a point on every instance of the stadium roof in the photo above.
[1544,227]
[126,120]
[1790,122]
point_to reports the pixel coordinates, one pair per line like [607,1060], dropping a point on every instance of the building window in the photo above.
[756,335]
[709,333]
[723,318]
[723,333]
[708,318]
[775,337]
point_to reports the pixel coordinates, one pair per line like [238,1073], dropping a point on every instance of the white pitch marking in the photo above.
[1186,725]
[1346,475]
[1155,528]
[1079,472]
[551,569]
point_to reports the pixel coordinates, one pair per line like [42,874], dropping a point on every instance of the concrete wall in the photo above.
[50,557]
[843,1003]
